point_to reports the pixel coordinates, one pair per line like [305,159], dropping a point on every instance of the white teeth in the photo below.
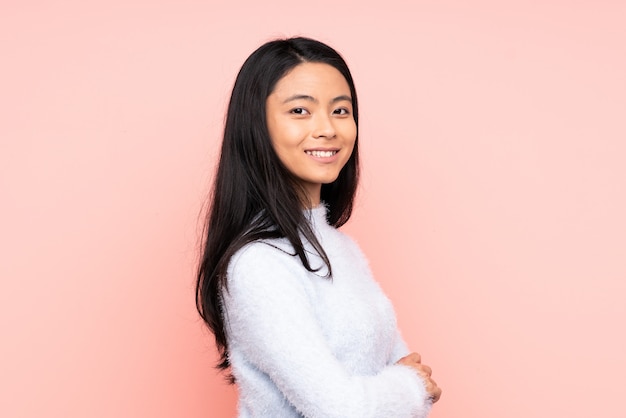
[321,154]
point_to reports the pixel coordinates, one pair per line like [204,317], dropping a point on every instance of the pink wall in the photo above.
[492,206]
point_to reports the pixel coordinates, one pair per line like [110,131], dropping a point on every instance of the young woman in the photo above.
[296,314]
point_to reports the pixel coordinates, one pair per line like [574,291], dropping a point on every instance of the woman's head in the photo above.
[247,140]
[310,123]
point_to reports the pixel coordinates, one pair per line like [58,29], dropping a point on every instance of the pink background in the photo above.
[492,205]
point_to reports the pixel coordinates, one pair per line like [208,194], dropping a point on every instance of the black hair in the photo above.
[254,196]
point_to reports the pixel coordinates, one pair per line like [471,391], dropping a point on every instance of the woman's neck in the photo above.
[311,196]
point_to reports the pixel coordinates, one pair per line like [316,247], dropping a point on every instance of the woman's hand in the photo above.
[414,361]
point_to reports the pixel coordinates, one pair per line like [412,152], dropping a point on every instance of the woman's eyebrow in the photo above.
[300,97]
[341,98]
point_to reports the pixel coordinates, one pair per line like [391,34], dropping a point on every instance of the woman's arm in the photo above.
[401,355]
[271,322]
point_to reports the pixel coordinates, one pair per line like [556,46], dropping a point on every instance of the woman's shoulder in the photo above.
[262,251]
[264,266]
[344,241]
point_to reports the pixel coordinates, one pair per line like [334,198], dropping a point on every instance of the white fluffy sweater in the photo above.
[303,345]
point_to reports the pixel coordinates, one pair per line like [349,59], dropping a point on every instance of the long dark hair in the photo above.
[254,196]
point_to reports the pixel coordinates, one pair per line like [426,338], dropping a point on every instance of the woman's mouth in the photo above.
[321,154]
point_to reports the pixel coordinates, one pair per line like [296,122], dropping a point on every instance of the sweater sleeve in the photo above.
[399,348]
[272,323]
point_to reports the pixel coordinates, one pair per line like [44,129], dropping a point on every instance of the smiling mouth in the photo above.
[321,154]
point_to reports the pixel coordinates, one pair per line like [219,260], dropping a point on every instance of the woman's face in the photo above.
[311,125]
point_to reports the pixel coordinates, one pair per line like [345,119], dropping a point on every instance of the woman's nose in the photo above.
[324,127]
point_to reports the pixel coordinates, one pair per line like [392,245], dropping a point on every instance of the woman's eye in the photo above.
[299,111]
[342,111]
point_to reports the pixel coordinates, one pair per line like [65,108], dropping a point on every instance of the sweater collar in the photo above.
[317,215]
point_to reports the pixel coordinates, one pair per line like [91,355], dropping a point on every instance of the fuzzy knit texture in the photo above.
[304,345]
